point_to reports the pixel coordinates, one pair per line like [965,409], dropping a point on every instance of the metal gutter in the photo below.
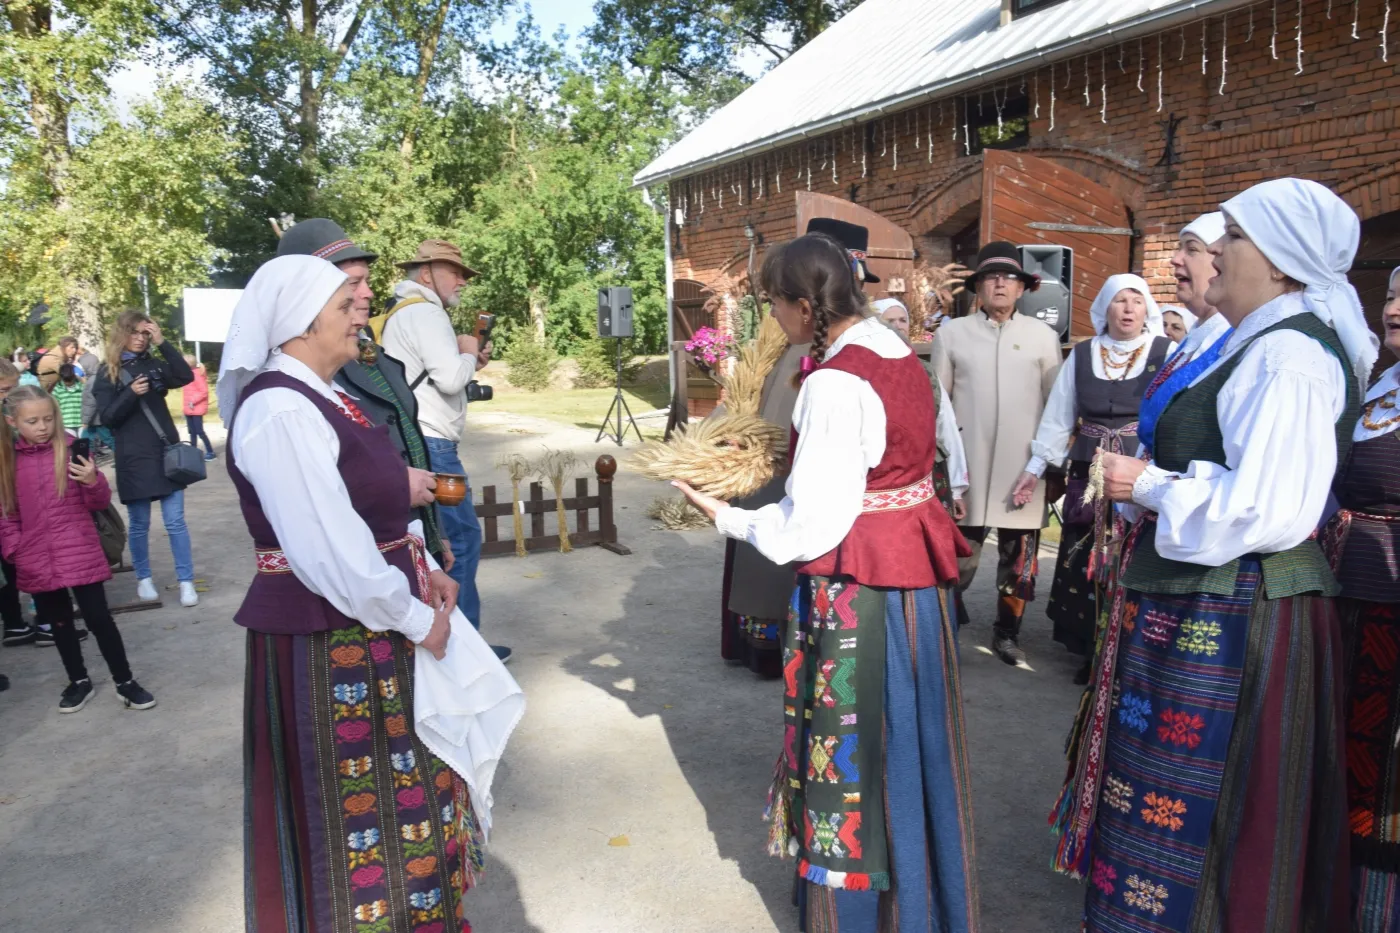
[1150,24]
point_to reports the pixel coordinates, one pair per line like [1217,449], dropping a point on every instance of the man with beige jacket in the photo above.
[998,367]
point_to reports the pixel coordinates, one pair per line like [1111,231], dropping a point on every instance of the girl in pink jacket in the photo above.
[47,532]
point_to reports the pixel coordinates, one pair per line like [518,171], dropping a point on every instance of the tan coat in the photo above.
[759,587]
[998,378]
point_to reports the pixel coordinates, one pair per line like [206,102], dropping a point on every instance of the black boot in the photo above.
[1081,676]
[1006,632]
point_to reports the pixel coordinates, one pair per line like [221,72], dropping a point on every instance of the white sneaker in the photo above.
[188,596]
[146,590]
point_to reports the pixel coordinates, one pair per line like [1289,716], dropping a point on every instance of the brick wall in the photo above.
[1335,123]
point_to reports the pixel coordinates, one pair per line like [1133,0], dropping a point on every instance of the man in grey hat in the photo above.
[376,380]
[439,364]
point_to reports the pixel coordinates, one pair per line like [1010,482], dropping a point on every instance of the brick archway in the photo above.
[1374,193]
[956,201]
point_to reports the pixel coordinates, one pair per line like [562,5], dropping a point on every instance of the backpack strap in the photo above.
[378,322]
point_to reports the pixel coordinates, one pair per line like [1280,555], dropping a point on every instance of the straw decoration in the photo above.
[726,455]
[518,468]
[743,387]
[553,466]
[677,514]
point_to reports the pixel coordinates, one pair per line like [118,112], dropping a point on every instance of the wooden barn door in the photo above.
[891,253]
[1028,200]
[688,308]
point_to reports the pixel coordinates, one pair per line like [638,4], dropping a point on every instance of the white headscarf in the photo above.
[1098,314]
[1311,236]
[884,304]
[1207,228]
[284,296]
[1187,317]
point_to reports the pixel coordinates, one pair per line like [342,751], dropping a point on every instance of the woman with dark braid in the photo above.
[872,787]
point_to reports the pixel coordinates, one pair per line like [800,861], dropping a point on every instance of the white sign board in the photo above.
[208,312]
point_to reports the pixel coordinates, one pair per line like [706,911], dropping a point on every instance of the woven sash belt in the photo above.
[894,500]
[274,560]
[1109,438]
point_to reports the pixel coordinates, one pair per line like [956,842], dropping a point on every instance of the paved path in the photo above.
[123,821]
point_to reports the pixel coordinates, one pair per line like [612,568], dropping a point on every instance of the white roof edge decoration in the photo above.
[891,55]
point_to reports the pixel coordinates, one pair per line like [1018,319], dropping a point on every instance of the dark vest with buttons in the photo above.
[1190,430]
[1369,486]
[375,478]
[1111,403]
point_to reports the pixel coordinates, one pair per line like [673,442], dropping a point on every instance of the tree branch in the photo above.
[342,50]
[757,38]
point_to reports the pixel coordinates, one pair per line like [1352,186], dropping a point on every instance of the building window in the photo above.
[1027,7]
[1012,131]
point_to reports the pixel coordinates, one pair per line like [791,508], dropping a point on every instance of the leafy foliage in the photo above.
[597,363]
[532,364]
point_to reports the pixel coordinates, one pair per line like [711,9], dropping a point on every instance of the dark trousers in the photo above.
[1011,596]
[196,425]
[56,609]
[9,598]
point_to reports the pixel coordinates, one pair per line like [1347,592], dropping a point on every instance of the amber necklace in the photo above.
[1385,402]
[1110,365]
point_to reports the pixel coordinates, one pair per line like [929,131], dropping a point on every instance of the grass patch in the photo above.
[583,408]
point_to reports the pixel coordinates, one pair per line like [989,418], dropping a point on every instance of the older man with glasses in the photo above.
[998,367]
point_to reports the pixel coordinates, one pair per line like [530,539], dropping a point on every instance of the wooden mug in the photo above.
[451,488]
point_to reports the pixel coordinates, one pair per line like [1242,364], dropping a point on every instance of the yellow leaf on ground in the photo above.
[618,842]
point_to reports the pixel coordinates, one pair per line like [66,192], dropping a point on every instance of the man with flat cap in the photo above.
[376,380]
[998,367]
[417,330]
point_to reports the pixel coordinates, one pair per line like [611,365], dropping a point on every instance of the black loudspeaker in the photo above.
[614,312]
[1052,302]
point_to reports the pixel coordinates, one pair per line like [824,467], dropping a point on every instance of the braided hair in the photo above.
[817,268]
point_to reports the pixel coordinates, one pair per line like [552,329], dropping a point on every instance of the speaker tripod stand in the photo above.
[619,405]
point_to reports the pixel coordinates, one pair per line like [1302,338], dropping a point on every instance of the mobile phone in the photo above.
[82,447]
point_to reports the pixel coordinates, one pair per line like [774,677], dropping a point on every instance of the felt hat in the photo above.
[1000,256]
[324,239]
[438,251]
[854,237]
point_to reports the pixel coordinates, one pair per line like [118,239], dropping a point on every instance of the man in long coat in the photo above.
[998,367]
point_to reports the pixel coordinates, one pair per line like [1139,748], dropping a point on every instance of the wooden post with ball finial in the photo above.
[605,467]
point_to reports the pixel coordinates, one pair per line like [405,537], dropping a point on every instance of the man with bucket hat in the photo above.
[998,367]
[376,380]
[439,364]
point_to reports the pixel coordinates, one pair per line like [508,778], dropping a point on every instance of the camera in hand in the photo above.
[156,379]
[476,392]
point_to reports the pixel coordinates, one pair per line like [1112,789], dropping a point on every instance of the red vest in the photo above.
[900,547]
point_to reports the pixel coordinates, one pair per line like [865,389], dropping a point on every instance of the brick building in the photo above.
[1104,125]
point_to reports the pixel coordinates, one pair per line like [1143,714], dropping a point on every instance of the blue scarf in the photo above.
[1168,383]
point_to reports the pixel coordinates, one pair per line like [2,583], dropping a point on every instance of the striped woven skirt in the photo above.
[752,641]
[1371,636]
[1223,805]
[882,767]
[350,825]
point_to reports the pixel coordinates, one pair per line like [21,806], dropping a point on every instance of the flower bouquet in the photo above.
[708,348]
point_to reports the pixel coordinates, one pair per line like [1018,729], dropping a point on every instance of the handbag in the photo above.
[183,464]
[111,529]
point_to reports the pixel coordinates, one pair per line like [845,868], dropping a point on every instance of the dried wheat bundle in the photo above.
[518,468]
[677,514]
[935,288]
[726,455]
[553,467]
[743,387]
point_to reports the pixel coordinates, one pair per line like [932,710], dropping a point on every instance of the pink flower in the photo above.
[381,650]
[368,876]
[411,797]
[354,730]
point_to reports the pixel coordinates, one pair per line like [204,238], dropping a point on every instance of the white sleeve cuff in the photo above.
[1036,466]
[733,522]
[1151,486]
[419,622]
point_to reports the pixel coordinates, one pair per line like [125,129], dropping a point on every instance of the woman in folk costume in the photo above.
[1093,406]
[871,790]
[1209,793]
[351,824]
[1363,542]
[1177,323]
[756,591]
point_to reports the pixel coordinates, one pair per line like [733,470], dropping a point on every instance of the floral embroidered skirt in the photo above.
[1371,636]
[1222,805]
[872,794]
[351,825]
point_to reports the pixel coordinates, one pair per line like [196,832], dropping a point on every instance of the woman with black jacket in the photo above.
[132,382]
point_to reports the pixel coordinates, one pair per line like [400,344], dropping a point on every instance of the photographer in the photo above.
[417,331]
[129,380]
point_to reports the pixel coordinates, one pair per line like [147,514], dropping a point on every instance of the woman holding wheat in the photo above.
[871,791]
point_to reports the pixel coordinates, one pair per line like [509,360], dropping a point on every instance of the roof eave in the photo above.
[1147,25]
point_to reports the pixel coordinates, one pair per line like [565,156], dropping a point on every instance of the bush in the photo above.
[532,364]
[597,365]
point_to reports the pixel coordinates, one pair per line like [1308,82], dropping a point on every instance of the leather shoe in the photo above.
[1004,646]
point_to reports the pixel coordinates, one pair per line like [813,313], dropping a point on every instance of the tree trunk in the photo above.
[427,53]
[537,314]
[309,96]
[48,111]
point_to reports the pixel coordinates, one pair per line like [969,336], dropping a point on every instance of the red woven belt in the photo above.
[893,500]
[274,560]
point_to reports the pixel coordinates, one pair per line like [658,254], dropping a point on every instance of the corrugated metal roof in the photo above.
[886,55]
